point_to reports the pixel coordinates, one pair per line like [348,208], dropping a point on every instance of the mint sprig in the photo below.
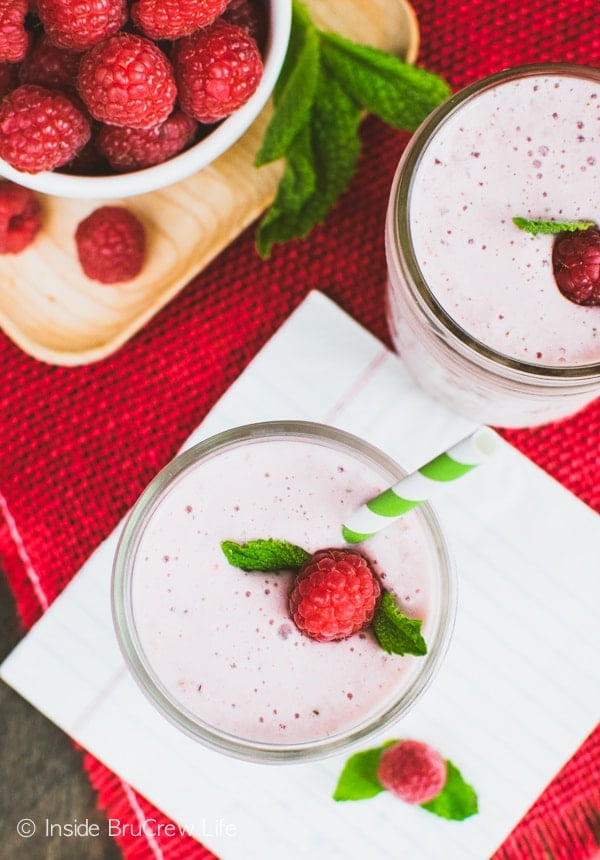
[550,227]
[325,85]
[395,632]
[264,555]
[359,781]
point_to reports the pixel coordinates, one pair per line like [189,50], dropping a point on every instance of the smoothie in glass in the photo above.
[474,308]
[215,647]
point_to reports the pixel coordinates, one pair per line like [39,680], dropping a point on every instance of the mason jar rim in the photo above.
[457,338]
[133,652]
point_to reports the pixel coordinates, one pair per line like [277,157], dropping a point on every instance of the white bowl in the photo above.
[188,162]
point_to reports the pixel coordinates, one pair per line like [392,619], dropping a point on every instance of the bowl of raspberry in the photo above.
[112,98]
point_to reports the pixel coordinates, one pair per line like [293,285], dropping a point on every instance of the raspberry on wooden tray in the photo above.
[111,244]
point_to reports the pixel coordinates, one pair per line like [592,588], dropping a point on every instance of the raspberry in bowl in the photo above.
[133,97]
[265,659]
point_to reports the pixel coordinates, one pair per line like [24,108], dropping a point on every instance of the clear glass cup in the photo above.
[214,648]
[472,305]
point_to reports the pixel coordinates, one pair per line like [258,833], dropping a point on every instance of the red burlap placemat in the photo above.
[79,444]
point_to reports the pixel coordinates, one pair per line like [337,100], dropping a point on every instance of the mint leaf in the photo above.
[395,632]
[295,89]
[397,92]
[535,227]
[358,779]
[457,800]
[325,86]
[297,186]
[264,554]
[332,146]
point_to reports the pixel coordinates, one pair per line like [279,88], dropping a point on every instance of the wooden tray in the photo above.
[53,312]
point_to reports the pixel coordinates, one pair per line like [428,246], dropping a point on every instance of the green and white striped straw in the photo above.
[421,485]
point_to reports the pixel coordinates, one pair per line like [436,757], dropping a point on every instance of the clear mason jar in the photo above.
[472,305]
[215,649]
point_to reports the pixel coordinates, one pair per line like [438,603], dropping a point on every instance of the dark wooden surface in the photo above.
[41,776]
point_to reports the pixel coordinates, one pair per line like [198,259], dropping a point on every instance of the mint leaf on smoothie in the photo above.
[264,555]
[550,227]
[395,632]
[326,84]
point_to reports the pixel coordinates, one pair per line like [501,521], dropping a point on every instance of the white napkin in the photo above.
[518,691]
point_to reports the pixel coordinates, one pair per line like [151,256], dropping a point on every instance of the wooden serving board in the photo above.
[53,312]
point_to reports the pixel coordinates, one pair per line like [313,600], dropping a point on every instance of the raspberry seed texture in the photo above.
[135,148]
[14,38]
[335,595]
[171,19]
[40,129]
[217,69]
[79,24]
[127,80]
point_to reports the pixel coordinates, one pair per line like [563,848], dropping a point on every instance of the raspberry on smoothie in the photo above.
[217,69]
[576,265]
[172,19]
[334,595]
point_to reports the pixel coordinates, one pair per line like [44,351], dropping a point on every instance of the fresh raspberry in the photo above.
[14,38]
[135,148]
[20,217]
[217,69]
[171,19]
[50,66]
[127,80]
[334,595]
[576,265]
[40,129]
[79,24]
[111,244]
[412,770]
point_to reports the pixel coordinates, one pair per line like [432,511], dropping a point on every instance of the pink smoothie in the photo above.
[530,148]
[221,641]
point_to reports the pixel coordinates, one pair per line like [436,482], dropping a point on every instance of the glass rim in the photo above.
[458,338]
[133,652]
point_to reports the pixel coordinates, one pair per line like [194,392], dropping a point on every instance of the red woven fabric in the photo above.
[79,444]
